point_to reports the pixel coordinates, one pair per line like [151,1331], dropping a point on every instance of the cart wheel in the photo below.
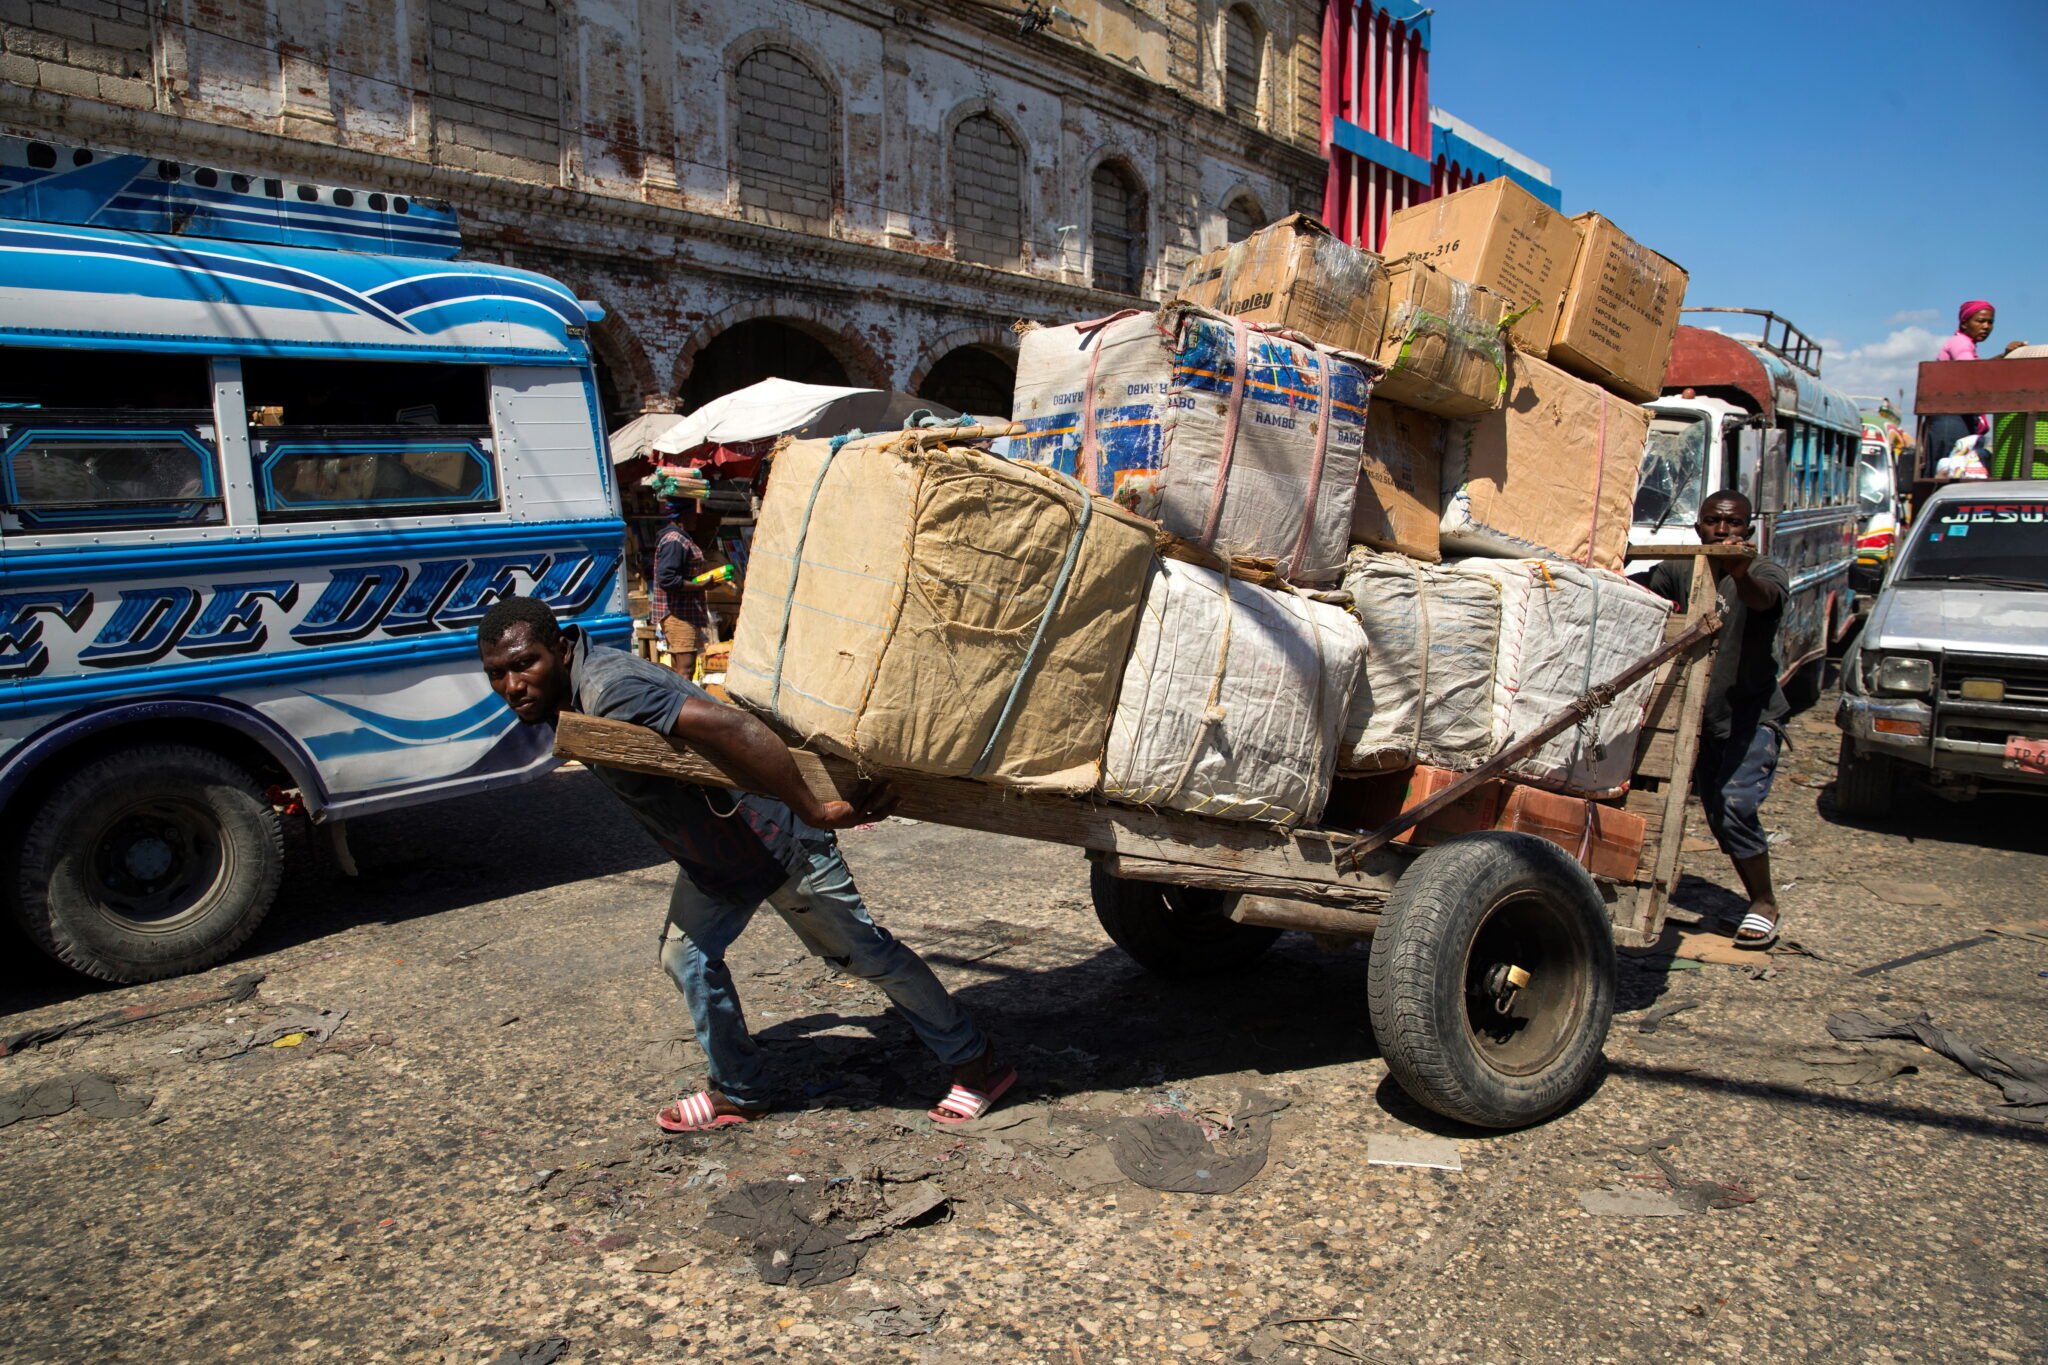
[1864,783]
[1491,984]
[1174,930]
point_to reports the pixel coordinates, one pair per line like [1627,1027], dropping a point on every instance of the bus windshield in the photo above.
[1995,542]
[1874,479]
[1674,472]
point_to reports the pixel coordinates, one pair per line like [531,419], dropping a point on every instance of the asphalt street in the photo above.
[466,1168]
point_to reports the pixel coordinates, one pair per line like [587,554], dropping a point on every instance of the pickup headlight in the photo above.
[1905,675]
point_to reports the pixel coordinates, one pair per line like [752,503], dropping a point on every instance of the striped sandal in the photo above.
[1766,931]
[965,1104]
[696,1115]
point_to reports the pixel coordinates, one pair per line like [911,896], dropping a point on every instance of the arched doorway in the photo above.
[749,352]
[978,380]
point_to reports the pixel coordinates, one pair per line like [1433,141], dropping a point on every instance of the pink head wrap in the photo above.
[1973,306]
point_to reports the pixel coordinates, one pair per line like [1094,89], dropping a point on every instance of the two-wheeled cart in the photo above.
[1490,984]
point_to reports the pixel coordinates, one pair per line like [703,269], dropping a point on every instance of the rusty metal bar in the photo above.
[1969,387]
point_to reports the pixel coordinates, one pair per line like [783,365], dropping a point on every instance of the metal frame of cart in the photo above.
[1491,984]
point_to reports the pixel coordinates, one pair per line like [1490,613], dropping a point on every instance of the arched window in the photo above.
[786,138]
[1242,216]
[988,205]
[1243,57]
[1117,229]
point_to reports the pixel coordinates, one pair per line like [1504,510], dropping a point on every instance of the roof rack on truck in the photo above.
[1776,335]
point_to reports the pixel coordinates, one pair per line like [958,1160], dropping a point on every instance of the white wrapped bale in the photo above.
[1426,693]
[1239,440]
[1563,631]
[1234,699]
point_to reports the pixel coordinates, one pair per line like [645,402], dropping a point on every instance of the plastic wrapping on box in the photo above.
[1426,694]
[1233,701]
[1443,347]
[1564,630]
[1239,440]
[1294,274]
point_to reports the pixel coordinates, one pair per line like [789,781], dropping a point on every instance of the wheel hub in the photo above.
[148,858]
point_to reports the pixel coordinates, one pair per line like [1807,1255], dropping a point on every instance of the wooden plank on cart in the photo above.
[1304,861]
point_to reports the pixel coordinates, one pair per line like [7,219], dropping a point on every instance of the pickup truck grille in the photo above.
[2026,680]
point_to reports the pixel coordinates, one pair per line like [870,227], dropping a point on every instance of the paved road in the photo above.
[383,1196]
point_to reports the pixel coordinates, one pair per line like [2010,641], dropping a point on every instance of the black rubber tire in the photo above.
[1454,910]
[1174,931]
[213,830]
[1865,784]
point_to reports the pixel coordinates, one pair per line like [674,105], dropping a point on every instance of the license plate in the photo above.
[2027,754]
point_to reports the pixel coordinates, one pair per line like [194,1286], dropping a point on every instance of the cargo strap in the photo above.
[1088,459]
[796,563]
[1324,417]
[1599,478]
[1052,605]
[1422,642]
[1233,409]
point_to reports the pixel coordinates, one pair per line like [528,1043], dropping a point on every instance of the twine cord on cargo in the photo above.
[1233,409]
[1052,605]
[796,563]
[1599,481]
[1213,711]
[1422,642]
[1324,417]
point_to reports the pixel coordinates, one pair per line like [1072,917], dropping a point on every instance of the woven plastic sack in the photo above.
[1426,694]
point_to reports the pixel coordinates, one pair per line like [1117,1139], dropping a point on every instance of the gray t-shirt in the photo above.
[1742,691]
[734,846]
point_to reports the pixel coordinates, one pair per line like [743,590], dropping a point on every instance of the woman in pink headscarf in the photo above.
[1974,321]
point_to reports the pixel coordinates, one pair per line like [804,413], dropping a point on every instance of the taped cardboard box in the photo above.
[1443,350]
[1553,473]
[1399,503]
[1620,312]
[1234,699]
[1295,274]
[940,610]
[1501,236]
[1238,440]
[1564,630]
[1432,642]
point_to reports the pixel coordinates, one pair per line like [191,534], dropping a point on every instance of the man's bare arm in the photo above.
[749,750]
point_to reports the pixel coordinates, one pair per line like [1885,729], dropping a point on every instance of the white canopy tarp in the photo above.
[635,440]
[779,407]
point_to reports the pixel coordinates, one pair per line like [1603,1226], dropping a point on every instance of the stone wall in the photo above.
[832,164]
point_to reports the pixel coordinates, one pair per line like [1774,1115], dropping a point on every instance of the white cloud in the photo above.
[1889,367]
[1912,315]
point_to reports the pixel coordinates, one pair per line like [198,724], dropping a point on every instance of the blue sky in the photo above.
[1861,168]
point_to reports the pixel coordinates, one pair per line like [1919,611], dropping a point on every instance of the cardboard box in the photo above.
[1551,475]
[1620,312]
[1398,506]
[1499,235]
[1443,350]
[1295,274]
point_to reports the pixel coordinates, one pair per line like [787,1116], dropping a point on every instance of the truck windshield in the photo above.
[1873,479]
[1674,472]
[2002,543]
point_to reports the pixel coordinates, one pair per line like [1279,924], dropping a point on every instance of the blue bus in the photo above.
[267,453]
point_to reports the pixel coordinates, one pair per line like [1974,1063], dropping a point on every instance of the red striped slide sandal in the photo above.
[696,1114]
[964,1104]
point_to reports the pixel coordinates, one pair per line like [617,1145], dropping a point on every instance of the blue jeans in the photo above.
[824,908]
[1733,778]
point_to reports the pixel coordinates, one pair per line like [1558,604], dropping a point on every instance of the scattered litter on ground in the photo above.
[1170,1152]
[1400,1149]
[787,1233]
[97,1096]
[236,991]
[906,1206]
[1631,1204]
[1653,1145]
[546,1351]
[909,1320]
[2023,1079]
[1091,1167]
[1826,1068]
[1648,1023]
[661,1263]
[289,1040]
[2037,930]
[1701,1195]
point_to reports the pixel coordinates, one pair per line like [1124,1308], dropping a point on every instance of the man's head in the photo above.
[526,657]
[1724,519]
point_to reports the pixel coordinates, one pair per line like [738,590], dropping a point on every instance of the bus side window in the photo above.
[354,438]
[101,441]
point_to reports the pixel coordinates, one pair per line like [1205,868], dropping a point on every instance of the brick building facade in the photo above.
[831,190]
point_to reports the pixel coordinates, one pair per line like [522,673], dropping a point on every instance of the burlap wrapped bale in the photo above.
[898,593]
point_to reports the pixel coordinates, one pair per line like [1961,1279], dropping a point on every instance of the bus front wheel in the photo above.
[149,862]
